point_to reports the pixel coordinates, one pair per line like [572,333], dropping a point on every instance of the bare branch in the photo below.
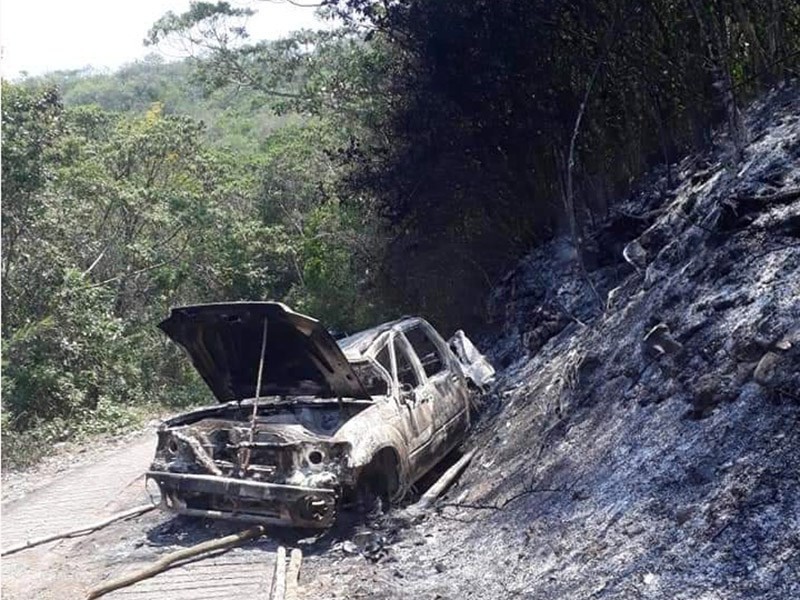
[86,529]
[165,562]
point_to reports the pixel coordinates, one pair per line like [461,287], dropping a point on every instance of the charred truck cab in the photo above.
[304,424]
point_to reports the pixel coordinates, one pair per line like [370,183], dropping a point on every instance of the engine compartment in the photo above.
[291,442]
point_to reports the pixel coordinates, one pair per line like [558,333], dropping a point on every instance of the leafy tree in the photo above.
[233,120]
[31,122]
[116,217]
[101,212]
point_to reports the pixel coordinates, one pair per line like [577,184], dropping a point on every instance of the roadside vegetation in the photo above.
[110,218]
[399,163]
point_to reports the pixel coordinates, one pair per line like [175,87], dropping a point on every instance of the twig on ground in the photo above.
[293,574]
[277,590]
[445,481]
[165,562]
[530,489]
[780,197]
[505,502]
[131,512]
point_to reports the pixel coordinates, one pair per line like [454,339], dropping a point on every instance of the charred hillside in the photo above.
[648,449]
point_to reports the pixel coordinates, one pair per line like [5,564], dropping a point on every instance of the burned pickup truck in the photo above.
[307,425]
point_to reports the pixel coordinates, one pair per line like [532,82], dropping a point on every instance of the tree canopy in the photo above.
[464,116]
[399,161]
[111,218]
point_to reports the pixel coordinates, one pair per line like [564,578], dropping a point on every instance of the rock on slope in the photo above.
[612,467]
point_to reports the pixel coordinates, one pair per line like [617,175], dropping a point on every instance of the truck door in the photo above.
[445,385]
[414,402]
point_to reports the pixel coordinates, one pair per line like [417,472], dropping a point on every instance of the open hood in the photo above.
[224,344]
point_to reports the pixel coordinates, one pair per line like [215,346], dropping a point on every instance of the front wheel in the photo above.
[378,483]
[371,502]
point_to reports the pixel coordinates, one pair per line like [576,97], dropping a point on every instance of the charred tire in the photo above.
[379,482]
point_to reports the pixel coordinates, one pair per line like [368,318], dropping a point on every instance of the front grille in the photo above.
[233,505]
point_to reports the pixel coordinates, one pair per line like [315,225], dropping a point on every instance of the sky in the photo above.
[38,36]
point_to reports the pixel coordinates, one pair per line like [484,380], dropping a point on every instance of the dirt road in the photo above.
[347,561]
[112,482]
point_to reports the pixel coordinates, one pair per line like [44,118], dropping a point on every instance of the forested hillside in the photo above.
[233,119]
[401,162]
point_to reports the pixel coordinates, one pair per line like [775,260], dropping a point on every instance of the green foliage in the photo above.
[237,121]
[338,255]
[30,122]
[65,362]
[204,16]
[111,218]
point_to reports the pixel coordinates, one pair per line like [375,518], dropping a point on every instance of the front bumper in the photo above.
[245,500]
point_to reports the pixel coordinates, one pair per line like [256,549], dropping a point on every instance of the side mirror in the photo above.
[407,394]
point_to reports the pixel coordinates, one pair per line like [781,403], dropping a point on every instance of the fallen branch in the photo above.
[131,512]
[293,574]
[734,212]
[525,492]
[445,481]
[165,562]
[505,502]
[277,590]
[782,197]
